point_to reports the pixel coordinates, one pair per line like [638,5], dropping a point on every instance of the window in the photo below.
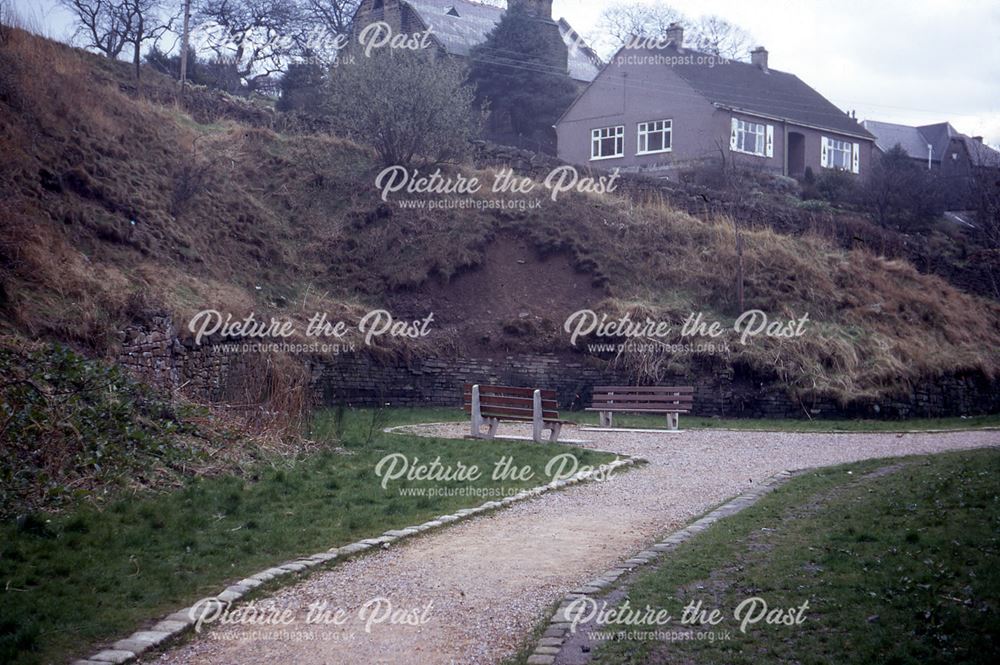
[838,154]
[607,143]
[749,137]
[655,136]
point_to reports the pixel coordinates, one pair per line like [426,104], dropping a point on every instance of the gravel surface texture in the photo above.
[475,590]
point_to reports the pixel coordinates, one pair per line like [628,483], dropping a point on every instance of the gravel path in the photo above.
[489,580]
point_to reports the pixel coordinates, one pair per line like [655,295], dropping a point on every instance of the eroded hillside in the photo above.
[122,205]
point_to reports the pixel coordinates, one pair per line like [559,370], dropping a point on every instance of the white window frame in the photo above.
[742,128]
[850,151]
[647,129]
[601,134]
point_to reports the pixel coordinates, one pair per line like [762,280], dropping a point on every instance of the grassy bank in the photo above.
[897,559]
[86,576]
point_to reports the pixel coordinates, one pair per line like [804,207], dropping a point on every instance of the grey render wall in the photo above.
[628,92]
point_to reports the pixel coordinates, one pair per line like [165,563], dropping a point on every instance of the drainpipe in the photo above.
[930,153]
[784,132]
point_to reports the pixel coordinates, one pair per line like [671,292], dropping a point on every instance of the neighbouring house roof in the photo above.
[888,135]
[461,25]
[938,135]
[914,140]
[980,153]
[744,86]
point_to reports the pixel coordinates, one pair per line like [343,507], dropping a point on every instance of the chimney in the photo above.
[758,57]
[977,139]
[675,35]
[537,8]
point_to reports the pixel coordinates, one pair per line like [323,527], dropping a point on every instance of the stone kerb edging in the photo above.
[550,645]
[181,621]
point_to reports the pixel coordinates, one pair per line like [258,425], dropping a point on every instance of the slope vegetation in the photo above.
[116,204]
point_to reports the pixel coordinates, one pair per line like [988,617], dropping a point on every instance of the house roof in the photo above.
[888,135]
[914,140]
[742,86]
[461,25]
[938,135]
[980,153]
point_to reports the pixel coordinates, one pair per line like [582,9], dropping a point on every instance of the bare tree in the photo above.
[254,36]
[407,105]
[109,26]
[101,25]
[619,23]
[716,35]
[146,23]
[335,16]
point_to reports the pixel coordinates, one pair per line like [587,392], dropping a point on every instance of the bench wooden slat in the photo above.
[622,397]
[643,409]
[668,400]
[498,403]
[547,404]
[526,402]
[505,411]
[643,389]
[508,391]
[641,405]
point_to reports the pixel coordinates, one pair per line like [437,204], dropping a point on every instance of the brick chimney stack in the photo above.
[758,57]
[675,35]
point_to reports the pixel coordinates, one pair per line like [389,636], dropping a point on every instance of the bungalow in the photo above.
[663,106]
[939,147]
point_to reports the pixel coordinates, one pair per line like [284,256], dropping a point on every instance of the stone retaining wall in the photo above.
[158,357]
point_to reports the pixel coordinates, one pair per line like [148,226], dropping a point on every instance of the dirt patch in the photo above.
[516,298]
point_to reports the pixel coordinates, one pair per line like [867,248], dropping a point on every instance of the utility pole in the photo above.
[185,41]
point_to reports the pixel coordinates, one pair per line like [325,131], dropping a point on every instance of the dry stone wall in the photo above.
[155,354]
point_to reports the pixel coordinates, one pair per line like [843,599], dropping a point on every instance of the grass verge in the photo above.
[897,559]
[443,415]
[72,581]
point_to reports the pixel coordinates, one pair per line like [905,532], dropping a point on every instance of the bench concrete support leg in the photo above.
[607,419]
[494,423]
[673,421]
[477,416]
[556,429]
[536,417]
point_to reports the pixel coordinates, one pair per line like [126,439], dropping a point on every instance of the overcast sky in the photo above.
[909,61]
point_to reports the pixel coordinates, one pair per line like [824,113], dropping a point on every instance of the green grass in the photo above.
[897,568]
[73,581]
[441,414]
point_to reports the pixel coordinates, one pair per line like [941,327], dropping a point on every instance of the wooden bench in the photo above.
[669,400]
[491,404]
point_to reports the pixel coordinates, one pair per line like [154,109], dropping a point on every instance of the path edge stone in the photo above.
[173,626]
[548,648]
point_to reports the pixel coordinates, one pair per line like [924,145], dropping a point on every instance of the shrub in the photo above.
[900,191]
[837,186]
[407,105]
